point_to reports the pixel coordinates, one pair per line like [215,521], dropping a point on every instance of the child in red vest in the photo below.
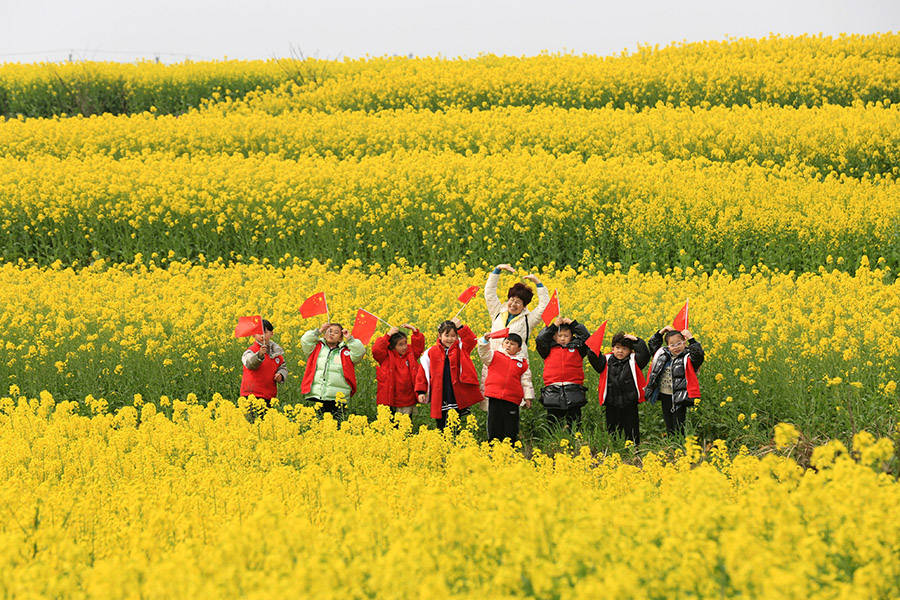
[448,379]
[672,377]
[398,365]
[332,353]
[264,366]
[504,386]
[561,345]
[622,383]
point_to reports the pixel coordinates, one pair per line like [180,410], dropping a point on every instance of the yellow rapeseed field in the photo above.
[790,70]
[133,503]
[858,140]
[816,348]
[440,207]
[755,178]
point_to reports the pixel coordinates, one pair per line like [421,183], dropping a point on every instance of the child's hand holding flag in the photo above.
[500,334]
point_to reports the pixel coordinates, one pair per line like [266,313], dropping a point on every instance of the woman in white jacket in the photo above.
[514,314]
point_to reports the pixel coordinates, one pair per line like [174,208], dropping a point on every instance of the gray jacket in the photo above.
[251,359]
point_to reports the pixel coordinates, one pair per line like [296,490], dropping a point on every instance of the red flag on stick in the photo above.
[364,326]
[681,319]
[595,342]
[465,297]
[497,334]
[552,310]
[314,305]
[247,326]
[468,294]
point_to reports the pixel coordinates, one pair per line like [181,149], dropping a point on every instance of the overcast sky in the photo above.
[37,30]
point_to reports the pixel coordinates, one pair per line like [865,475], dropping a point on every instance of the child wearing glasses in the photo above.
[672,378]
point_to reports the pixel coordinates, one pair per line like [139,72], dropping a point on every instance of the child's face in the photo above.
[510,347]
[264,338]
[676,344]
[333,335]
[449,338]
[563,336]
[515,305]
[401,346]
[621,352]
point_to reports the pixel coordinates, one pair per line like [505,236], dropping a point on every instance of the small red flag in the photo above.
[681,319]
[468,294]
[364,326]
[595,342]
[552,310]
[247,326]
[497,334]
[314,305]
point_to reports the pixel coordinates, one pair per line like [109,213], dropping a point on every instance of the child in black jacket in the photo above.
[561,345]
[673,374]
[622,383]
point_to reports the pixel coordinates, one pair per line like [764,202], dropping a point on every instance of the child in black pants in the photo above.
[622,383]
[503,386]
[673,375]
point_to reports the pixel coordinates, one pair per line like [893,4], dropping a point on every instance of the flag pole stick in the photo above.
[461,309]
[262,328]
[377,317]
[327,313]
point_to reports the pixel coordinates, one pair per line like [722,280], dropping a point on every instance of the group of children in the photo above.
[444,376]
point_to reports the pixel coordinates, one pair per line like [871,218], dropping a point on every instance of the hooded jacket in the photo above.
[635,380]
[396,374]
[563,364]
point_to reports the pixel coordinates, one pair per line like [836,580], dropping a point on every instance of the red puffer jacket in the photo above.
[463,375]
[396,374]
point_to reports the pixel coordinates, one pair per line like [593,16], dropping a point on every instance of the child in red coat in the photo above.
[448,379]
[397,357]
[264,366]
[504,386]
